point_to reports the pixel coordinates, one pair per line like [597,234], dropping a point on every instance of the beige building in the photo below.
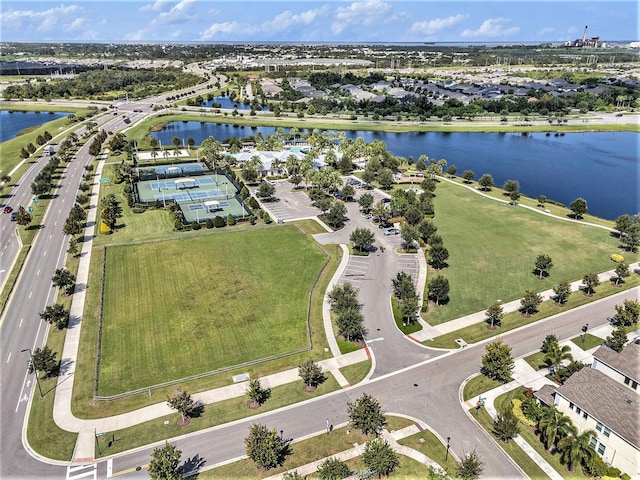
[605,398]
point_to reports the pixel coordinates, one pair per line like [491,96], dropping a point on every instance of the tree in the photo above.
[514,196]
[403,286]
[265,447]
[470,467]
[362,239]
[543,265]
[409,234]
[266,190]
[618,338]
[335,215]
[578,207]
[590,282]
[350,323]
[347,192]
[438,256]
[311,374]
[575,449]
[71,227]
[64,279]
[333,469]
[409,309]
[494,314]
[164,464]
[24,217]
[366,415]
[343,297]
[73,247]
[452,170]
[56,315]
[505,425]
[562,291]
[292,475]
[530,302]
[511,186]
[553,426]
[497,362]
[542,200]
[622,271]
[366,202]
[257,395]
[111,210]
[381,211]
[385,178]
[547,343]
[379,458]
[626,314]
[631,238]
[426,228]
[486,182]
[439,289]
[44,360]
[468,176]
[183,403]
[555,354]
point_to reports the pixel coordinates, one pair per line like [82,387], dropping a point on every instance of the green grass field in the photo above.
[493,247]
[178,308]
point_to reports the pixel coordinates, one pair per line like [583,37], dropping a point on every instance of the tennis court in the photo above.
[200,198]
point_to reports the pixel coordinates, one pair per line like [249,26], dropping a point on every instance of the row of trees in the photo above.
[268,448]
[346,309]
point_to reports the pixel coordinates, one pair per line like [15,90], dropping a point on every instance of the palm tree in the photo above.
[575,448]
[556,354]
[554,426]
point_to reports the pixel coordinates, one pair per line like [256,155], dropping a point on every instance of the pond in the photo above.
[13,122]
[601,167]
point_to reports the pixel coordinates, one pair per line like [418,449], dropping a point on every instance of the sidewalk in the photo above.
[477,317]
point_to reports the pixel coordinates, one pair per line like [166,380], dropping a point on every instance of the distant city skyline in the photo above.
[316,21]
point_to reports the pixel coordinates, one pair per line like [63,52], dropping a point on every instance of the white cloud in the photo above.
[546,30]
[287,19]
[492,27]
[365,13]
[77,24]
[158,6]
[430,27]
[228,28]
[179,13]
[42,21]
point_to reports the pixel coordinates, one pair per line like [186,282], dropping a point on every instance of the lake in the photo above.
[13,122]
[601,167]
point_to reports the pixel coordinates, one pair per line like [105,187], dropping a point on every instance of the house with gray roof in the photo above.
[605,398]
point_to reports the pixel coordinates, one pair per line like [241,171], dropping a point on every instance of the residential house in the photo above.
[605,398]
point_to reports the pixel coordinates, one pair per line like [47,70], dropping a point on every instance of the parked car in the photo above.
[7,209]
[392,231]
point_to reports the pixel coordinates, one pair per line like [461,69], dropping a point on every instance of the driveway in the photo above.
[290,204]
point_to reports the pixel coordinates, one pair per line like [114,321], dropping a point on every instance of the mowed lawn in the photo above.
[493,248]
[178,308]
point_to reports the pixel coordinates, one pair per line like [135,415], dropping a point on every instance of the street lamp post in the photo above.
[584,331]
[446,456]
[34,369]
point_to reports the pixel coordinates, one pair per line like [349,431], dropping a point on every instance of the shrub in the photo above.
[209,223]
[517,411]
[595,466]
[218,222]
[231,220]
[177,224]
[195,226]
[104,228]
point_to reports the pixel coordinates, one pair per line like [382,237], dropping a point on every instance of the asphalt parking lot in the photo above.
[290,204]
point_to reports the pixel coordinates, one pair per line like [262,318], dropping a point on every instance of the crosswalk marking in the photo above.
[75,472]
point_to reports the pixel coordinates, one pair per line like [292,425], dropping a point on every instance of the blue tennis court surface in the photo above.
[172,184]
[191,195]
[201,206]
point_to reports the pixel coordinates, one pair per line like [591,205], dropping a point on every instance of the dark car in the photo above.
[7,209]
[14,216]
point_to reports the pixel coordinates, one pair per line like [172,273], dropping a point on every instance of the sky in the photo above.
[465,21]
